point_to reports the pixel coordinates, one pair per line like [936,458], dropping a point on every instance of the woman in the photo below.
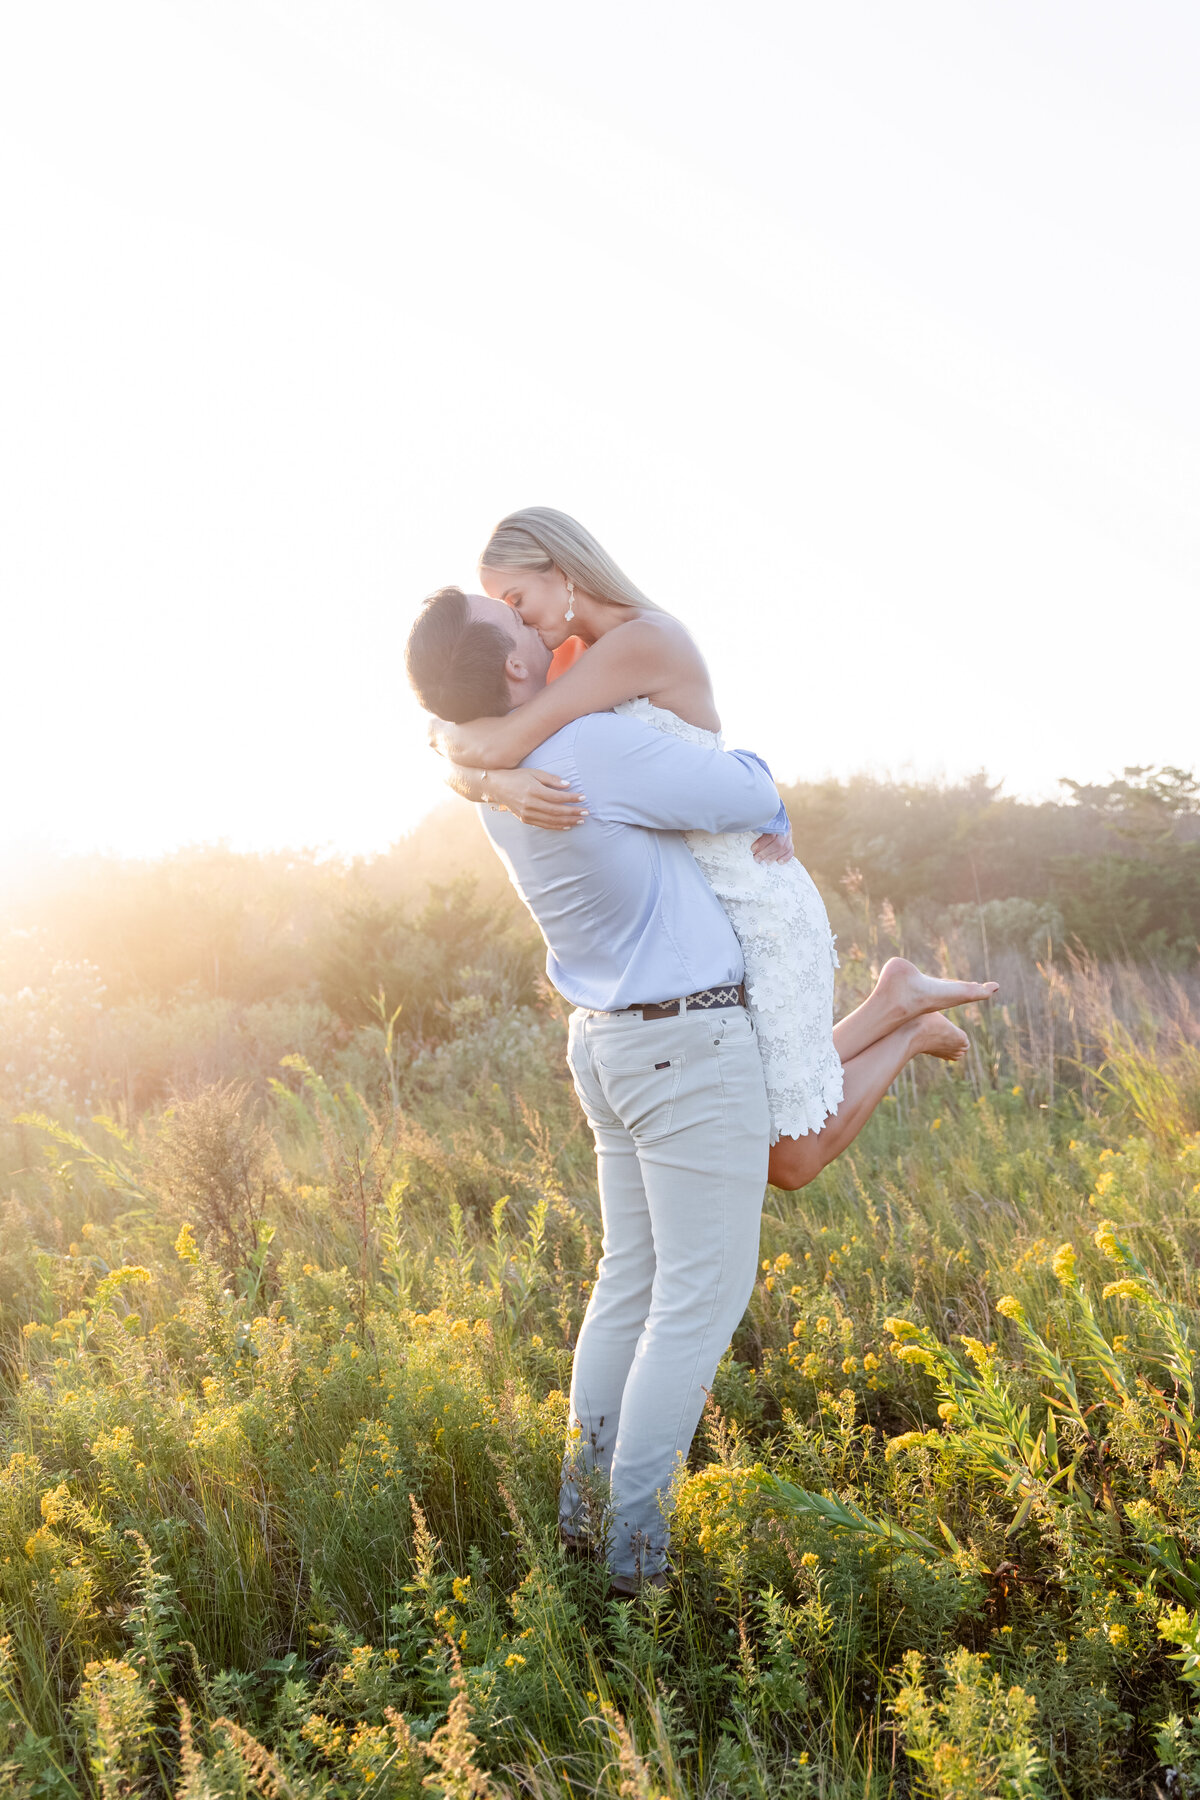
[823,1081]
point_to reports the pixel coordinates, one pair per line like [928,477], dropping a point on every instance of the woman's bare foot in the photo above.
[910,992]
[935,1036]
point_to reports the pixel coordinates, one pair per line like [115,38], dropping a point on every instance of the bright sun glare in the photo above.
[864,340]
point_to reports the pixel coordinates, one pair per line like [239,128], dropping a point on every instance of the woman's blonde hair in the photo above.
[540,538]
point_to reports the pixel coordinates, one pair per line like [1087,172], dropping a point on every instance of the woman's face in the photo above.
[540,599]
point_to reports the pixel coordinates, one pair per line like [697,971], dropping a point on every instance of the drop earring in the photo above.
[570,612]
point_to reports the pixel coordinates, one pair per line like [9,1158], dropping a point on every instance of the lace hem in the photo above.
[781,923]
[795,1116]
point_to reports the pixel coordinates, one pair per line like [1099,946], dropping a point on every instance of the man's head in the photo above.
[469,657]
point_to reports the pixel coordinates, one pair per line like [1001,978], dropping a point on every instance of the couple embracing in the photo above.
[697,954]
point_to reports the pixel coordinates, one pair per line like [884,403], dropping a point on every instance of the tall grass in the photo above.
[285,1396]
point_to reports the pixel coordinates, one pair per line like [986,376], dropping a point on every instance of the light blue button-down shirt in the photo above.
[625,912]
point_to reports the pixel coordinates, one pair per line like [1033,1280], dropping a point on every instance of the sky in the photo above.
[862,336]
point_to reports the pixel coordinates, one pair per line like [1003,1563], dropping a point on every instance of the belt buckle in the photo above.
[661,1009]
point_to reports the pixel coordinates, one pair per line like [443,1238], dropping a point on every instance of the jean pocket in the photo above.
[596,1109]
[736,1028]
[643,1094]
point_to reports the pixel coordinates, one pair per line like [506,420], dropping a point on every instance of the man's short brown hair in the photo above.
[456,663]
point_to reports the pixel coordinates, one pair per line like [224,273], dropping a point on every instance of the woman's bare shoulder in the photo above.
[675,673]
[661,633]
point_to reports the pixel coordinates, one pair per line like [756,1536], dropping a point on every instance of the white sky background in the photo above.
[863,335]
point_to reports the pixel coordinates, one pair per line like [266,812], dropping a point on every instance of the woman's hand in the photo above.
[472,745]
[446,738]
[536,798]
[773,847]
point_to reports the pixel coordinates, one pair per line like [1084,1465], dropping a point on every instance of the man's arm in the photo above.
[636,775]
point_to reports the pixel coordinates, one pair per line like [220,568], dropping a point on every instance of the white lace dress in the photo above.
[783,928]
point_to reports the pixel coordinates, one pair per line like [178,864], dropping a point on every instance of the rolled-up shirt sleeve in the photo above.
[781,822]
[635,775]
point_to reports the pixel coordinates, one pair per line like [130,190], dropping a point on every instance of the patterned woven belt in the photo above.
[707,1000]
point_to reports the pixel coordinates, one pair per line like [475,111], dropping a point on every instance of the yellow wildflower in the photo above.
[1064,1264]
[185,1245]
[1009,1307]
[1106,1240]
[1124,1289]
[902,1329]
[908,1440]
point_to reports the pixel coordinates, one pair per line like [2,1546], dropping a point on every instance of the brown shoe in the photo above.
[628,1587]
[577,1545]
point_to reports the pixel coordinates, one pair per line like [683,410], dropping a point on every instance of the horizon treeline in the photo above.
[122,981]
[1119,864]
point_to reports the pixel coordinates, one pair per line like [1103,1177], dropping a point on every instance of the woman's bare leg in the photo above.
[901,994]
[867,1077]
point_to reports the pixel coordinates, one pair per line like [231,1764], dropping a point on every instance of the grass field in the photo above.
[285,1401]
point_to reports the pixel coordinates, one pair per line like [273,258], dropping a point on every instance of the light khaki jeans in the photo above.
[678,1107]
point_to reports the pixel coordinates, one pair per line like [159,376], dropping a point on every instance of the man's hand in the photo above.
[536,798]
[773,847]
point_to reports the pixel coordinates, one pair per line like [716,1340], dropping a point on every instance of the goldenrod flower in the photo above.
[1064,1264]
[907,1441]
[1125,1289]
[1106,1240]
[185,1245]
[901,1329]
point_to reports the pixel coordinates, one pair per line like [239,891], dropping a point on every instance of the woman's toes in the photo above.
[938,1037]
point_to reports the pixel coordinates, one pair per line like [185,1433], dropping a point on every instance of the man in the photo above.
[661,1049]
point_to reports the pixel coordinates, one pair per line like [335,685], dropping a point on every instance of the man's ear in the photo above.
[515,668]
